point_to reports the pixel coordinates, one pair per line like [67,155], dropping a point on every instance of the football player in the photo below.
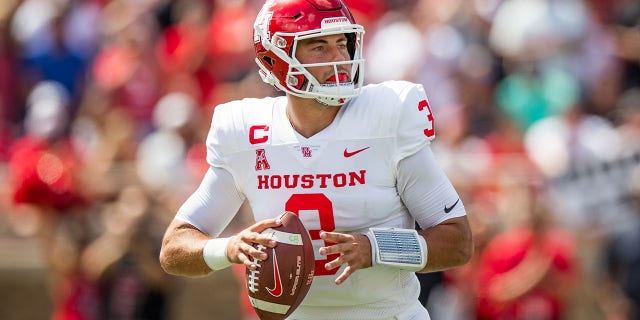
[352,161]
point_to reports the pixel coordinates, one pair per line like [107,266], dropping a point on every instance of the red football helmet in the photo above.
[278,28]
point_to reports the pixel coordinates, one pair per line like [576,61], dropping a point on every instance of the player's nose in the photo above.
[337,54]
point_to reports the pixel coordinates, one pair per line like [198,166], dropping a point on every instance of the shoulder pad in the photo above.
[399,109]
[231,124]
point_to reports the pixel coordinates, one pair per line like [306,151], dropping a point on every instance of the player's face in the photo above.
[332,48]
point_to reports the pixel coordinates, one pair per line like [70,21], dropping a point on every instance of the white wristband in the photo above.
[399,248]
[215,253]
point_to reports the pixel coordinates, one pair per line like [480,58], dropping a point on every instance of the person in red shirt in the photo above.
[525,271]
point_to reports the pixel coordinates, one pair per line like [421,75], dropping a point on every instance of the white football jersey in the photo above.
[343,179]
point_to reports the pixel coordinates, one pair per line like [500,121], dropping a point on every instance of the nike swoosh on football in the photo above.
[348,154]
[447,210]
[276,291]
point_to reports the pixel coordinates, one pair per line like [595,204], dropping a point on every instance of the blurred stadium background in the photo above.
[105,105]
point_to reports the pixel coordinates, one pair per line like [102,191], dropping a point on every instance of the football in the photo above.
[282,281]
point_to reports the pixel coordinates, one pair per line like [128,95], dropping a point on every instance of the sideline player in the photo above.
[352,161]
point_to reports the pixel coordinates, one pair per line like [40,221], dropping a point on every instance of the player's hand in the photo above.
[354,250]
[240,248]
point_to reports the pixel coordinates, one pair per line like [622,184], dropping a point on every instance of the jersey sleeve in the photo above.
[415,123]
[214,204]
[426,190]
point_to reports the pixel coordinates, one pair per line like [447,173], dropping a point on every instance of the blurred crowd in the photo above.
[105,106]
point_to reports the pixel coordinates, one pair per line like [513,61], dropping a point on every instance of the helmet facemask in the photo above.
[335,93]
[296,78]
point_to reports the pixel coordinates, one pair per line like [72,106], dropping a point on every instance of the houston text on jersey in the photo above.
[306,181]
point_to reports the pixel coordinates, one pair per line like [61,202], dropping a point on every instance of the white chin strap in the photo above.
[325,92]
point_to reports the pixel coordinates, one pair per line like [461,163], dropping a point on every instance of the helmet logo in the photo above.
[262,26]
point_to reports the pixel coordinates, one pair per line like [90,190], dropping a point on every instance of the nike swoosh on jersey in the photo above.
[447,210]
[348,154]
[276,291]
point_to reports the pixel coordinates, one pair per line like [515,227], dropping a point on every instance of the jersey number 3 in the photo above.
[320,203]
[422,105]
